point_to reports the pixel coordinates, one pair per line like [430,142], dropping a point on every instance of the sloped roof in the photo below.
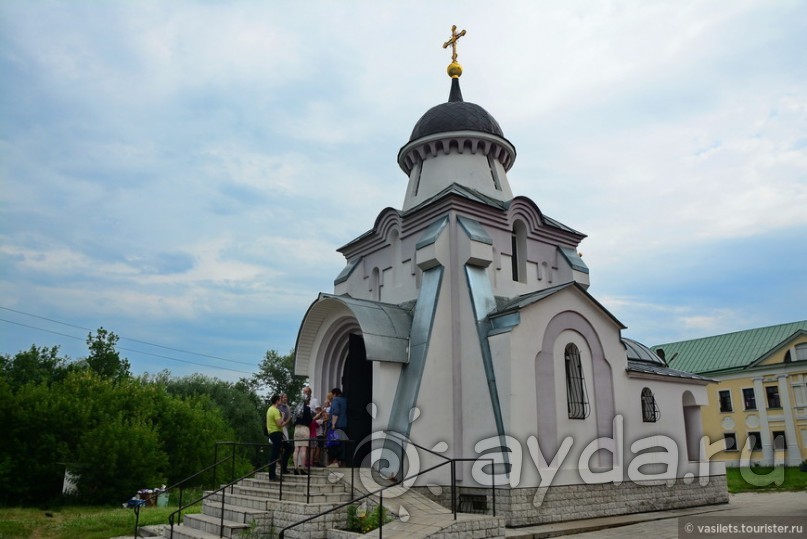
[525,300]
[737,350]
[643,367]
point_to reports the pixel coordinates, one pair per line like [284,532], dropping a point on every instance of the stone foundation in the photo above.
[532,505]
[283,514]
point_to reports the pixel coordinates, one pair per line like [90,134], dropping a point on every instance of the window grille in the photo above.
[755,441]
[650,411]
[725,401]
[473,503]
[731,441]
[772,393]
[576,400]
[749,399]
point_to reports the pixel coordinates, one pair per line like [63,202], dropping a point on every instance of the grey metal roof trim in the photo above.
[574,259]
[385,327]
[432,233]
[474,230]
[460,190]
[639,352]
[347,270]
[523,301]
[644,367]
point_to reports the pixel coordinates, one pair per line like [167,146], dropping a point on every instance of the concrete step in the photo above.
[298,485]
[234,512]
[241,500]
[184,532]
[292,495]
[213,525]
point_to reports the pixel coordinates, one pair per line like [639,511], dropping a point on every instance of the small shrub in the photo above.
[360,520]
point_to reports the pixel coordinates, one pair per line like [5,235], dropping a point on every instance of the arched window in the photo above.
[576,400]
[519,252]
[375,284]
[650,411]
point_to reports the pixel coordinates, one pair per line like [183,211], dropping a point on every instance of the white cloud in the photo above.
[198,160]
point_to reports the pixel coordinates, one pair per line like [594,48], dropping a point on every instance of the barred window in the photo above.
[755,441]
[749,399]
[650,411]
[772,393]
[576,400]
[725,400]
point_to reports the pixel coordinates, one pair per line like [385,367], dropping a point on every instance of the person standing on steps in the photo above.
[339,421]
[302,433]
[274,425]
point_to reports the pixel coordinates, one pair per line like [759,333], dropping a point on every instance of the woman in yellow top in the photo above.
[274,425]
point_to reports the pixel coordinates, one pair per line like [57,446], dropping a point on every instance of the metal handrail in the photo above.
[380,491]
[232,453]
[223,490]
[232,483]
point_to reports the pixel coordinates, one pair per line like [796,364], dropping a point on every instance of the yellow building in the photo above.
[759,405]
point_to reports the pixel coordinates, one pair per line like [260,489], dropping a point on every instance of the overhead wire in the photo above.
[143,352]
[126,338]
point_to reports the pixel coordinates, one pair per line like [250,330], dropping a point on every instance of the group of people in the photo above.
[311,426]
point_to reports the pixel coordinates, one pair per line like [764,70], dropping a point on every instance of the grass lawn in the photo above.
[794,480]
[75,522]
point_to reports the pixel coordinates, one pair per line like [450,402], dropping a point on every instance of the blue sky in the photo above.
[181,173]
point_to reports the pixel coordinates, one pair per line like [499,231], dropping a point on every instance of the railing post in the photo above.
[454,487]
[179,516]
[221,520]
[352,470]
[308,472]
[215,462]
[232,467]
[493,488]
[137,519]
[381,514]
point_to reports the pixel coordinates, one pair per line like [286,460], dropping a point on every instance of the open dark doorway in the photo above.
[357,384]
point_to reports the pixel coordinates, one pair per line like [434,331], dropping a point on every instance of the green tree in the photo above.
[35,365]
[104,357]
[240,405]
[276,375]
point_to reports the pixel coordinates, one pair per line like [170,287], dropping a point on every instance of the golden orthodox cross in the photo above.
[453,42]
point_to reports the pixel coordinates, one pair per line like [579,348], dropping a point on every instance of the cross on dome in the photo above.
[454,68]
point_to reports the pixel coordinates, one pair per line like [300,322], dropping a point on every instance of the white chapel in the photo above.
[462,322]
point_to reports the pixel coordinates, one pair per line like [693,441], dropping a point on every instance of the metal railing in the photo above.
[380,492]
[177,515]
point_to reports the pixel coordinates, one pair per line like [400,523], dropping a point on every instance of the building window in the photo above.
[731,441]
[801,352]
[755,441]
[650,411]
[749,400]
[779,440]
[576,401]
[772,393]
[494,173]
[519,252]
[725,400]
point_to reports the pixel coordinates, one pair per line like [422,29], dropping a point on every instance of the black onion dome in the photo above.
[455,115]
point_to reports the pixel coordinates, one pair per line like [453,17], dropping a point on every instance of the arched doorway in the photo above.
[357,385]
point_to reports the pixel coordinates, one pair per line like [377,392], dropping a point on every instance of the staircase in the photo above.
[253,510]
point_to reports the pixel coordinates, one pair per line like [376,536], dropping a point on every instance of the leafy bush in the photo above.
[118,458]
[360,520]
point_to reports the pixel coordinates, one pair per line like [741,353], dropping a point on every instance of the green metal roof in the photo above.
[736,350]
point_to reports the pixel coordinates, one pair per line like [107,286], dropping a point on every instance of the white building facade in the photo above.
[462,322]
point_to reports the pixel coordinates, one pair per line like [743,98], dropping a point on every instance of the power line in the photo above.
[123,338]
[125,349]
